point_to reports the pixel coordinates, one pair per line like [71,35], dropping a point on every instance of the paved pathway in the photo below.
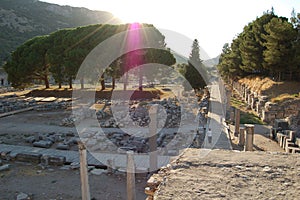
[216,121]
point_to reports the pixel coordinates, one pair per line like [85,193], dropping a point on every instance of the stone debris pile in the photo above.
[13,102]
[57,105]
[62,141]
[139,113]
[112,142]
[168,141]
[105,112]
[77,116]
[171,114]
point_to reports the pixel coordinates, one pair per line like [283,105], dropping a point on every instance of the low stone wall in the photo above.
[267,110]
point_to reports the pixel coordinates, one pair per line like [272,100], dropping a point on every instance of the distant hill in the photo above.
[179,58]
[21,20]
[211,62]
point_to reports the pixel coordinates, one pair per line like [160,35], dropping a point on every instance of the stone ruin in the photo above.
[13,102]
[61,141]
[269,111]
[135,114]
[171,115]
[132,113]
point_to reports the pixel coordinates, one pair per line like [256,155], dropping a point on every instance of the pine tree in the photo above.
[195,54]
[195,72]
[295,19]
[279,47]
[230,61]
[249,51]
[252,45]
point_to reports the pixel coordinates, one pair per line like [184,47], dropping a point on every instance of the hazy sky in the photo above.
[212,22]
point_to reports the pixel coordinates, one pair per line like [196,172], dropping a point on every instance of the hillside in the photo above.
[21,20]
[179,58]
[212,62]
[277,91]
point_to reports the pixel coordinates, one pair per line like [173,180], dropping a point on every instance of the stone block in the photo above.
[280,114]
[29,157]
[30,139]
[62,146]
[4,167]
[53,160]
[5,155]
[154,182]
[23,196]
[150,191]
[269,106]
[70,134]
[75,165]
[98,171]
[268,116]
[291,107]
[50,138]
[43,144]
[289,112]
[125,149]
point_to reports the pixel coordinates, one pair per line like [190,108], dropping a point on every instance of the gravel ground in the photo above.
[232,175]
[60,184]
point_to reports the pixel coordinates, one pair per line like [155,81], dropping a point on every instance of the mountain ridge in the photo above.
[21,20]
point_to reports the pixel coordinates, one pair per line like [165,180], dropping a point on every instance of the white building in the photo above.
[3,78]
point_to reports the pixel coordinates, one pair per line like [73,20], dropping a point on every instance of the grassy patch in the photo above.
[246,117]
[250,118]
[237,103]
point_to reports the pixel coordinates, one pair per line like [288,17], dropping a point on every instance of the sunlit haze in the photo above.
[212,22]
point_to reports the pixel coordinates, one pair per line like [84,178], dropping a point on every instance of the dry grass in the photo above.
[284,97]
[258,84]
[268,87]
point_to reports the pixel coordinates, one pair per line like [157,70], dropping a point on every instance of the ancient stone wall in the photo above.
[267,110]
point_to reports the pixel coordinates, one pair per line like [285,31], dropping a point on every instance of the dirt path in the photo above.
[261,142]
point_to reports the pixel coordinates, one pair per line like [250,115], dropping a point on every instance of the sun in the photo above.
[131,15]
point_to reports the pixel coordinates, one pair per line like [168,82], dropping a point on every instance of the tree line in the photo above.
[268,46]
[61,53]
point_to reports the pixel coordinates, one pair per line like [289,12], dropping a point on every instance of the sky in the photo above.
[212,22]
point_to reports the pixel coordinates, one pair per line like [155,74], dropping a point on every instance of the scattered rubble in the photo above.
[98,171]
[57,105]
[23,196]
[77,116]
[4,167]
[13,102]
